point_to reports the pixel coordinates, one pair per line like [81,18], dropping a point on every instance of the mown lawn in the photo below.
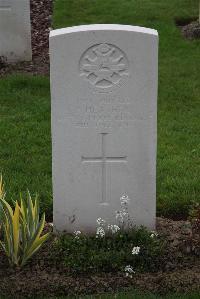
[25,150]
[25,144]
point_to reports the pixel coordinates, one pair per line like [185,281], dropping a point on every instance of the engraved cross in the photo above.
[104,159]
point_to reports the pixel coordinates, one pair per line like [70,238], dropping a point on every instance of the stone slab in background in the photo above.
[104,119]
[15,30]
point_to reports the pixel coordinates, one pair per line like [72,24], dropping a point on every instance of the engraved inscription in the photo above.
[104,112]
[104,159]
[104,66]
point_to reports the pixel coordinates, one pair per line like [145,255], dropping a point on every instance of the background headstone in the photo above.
[104,109]
[15,30]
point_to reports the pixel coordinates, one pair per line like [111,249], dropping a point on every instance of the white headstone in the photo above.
[104,109]
[15,30]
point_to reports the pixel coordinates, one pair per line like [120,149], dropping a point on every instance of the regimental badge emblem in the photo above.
[104,66]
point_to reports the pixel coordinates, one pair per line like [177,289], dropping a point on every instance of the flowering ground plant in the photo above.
[112,252]
[115,247]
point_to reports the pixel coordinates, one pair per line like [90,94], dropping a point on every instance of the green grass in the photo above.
[25,149]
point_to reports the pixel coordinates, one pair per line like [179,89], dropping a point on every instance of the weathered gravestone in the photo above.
[104,99]
[15,30]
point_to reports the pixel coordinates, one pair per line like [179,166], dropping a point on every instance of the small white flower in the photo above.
[129,271]
[77,234]
[124,200]
[135,250]
[100,232]
[100,221]
[124,213]
[153,234]
[114,228]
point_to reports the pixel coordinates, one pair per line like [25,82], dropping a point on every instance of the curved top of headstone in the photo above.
[103,27]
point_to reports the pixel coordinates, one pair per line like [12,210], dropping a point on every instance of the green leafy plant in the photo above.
[2,194]
[22,228]
[113,248]
[110,253]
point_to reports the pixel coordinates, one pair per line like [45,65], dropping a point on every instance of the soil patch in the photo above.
[190,28]
[191,31]
[41,15]
[46,275]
